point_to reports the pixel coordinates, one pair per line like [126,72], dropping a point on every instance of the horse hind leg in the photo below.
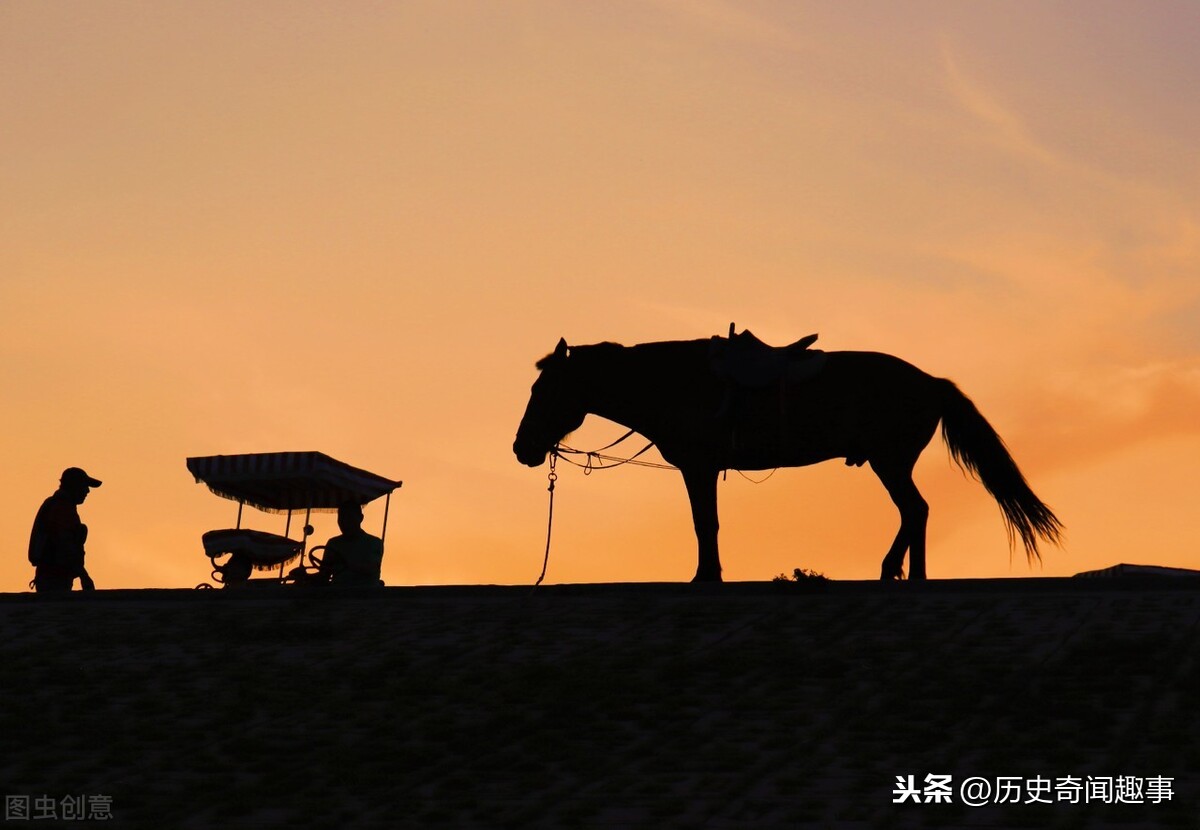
[893,563]
[914,518]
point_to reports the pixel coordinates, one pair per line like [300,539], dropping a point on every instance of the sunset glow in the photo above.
[354,228]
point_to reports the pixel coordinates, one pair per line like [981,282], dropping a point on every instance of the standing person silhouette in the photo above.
[56,542]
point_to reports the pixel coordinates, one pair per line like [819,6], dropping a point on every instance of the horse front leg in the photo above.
[702,491]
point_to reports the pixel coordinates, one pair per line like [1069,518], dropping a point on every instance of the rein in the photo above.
[589,465]
[596,460]
[593,456]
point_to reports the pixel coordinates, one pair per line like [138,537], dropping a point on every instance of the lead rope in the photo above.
[552,477]
[588,467]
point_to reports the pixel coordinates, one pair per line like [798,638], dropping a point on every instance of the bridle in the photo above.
[560,450]
[593,456]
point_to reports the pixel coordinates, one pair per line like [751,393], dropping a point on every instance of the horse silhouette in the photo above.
[865,407]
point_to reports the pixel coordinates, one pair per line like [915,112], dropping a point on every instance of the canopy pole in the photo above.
[304,533]
[287,532]
[386,505]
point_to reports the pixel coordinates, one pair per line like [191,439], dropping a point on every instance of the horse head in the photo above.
[555,408]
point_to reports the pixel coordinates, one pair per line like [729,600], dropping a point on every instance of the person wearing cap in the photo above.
[56,542]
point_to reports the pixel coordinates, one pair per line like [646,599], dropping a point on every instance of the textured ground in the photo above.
[749,706]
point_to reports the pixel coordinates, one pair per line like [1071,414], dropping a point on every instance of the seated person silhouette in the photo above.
[237,570]
[353,558]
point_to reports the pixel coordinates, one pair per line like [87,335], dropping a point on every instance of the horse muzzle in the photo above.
[529,456]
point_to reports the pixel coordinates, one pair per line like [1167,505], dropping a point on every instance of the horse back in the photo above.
[860,405]
[883,373]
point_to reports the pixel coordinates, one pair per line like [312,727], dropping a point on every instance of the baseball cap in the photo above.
[74,475]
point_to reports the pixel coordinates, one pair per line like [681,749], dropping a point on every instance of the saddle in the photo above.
[744,360]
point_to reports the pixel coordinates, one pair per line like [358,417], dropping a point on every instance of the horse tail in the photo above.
[978,450]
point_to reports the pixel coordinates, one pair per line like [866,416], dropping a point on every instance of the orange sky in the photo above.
[354,227]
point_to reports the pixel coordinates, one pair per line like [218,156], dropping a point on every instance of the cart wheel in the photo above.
[204,586]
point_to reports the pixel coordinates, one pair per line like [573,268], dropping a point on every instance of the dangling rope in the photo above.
[590,464]
[552,476]
[596,460]
[762,480]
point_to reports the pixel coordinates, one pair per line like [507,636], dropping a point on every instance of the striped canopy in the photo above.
[281,481]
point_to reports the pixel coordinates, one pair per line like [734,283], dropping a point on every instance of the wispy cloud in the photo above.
[734,22]
[1005,126]
[1076,420]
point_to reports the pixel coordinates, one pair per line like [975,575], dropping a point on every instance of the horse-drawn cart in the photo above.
[279,482]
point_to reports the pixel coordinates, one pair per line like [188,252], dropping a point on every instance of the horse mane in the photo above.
[663,355]
[595,348]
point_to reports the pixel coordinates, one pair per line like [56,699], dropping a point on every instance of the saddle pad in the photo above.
[747,361]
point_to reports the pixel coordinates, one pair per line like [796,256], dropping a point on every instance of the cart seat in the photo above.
[263,550]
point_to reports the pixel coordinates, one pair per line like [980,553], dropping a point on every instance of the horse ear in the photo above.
[561,349]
